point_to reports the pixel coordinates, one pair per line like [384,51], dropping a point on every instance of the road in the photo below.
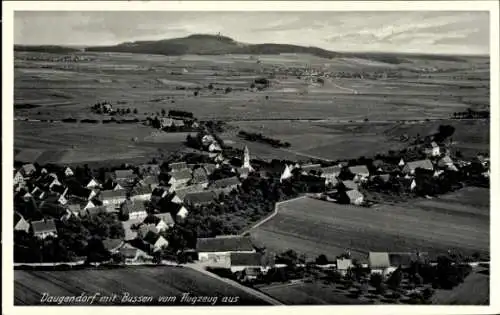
[200,268]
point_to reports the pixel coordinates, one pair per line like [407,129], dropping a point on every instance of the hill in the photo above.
[56,49]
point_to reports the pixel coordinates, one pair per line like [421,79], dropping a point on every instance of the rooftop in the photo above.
[224,244]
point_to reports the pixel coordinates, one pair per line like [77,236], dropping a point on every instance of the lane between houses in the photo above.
[258,294]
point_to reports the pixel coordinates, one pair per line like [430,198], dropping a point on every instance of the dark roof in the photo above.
[151,237]
[224,244]
[177,166]
[405,259]
[158,192]
[112,243]
[181,174]
[379,260]
[184,191]
[169,206]
[44,226]
[58,189]
[123,174]
[129,206]
[226,182]
[96,210]
[246,259]
[149,168]
[200,175]
[141,190]
[311,179]
[80,192]
[201,197]
[108,194]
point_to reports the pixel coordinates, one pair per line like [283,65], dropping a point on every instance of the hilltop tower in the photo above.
[246,159]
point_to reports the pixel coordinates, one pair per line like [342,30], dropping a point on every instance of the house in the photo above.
[38,193]
[355,197]
[287,173]
[226,184]
[176,167]
[447,163]
[401,163]
[360,172]
[433,149]
[161,221]
[178,122]
[141,193]
[93,183]
[200,198]
[68,172]
[331,173]
[217,250]
[310,169]
[166,122]
[144,229]
[149,169]
[130,229]
[28,170]
[410,167]
[94,211]
[350,185]
[75,209]
[344,265]
[214,147]
[379,263]
[18,178]
[135,209]
[155,241]
[206,140]
[117,186]
[243,172]
[150,181]
[44,228]
[20,224]
[132,254]
[200,176]
[209,168]
[182,192]
[112,245]
[113,198]
[239,262]
[82,193]
[124,175]
[176,210]
[179,178]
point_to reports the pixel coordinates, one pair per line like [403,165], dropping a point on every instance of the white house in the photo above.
[18,178]
[217,250]
[179,178]
[379,263]
[155,241]
[287,173]
[401,163]
[113,199]
[355,197]
[344,265]
[93,183]
[68,172]
[433,149]
[135,209]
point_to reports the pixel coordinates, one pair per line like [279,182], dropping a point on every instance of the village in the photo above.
[192,209]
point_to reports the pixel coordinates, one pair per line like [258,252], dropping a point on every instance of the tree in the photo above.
[394,280]
[321,260]
[195,93]
[135,111]
[228,90]
[128,111]
[210,86]
[163,112]
[376,281]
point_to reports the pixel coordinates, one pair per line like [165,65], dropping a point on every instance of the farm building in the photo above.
[166,122]
[162,221]
[113,198]
[93,211]
[68,172]
[226,184]
[350,185]
[360,172]
[355,197]
[176,167]
[82,193]
[176,210]
[20,224]
[133,254]
[149,169]
[112,245]
[239,262]
[410,167]
[344,265]
[385,263]
[182,192]
[447,163]
[379,263]
[44,228]
[150,181]
[310,169]
[158,193]
[144,229]
[136,209]
[117,186]
[179,178]
[155,241]
[141,193]
[209,168]
[217,250]
[28,170]
[200,176]
[331,173]
[93,183]
[200,198]
[433,149]
[130,231]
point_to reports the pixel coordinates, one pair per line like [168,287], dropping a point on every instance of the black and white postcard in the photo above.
[216,154]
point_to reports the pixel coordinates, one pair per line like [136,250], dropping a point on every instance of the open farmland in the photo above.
[76,143]
[137,281]
[317,227]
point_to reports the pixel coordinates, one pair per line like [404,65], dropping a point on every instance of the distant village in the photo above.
[194,208]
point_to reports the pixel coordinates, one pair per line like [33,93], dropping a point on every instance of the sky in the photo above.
[437,32]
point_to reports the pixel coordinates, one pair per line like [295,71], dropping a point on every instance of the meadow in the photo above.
[315,227]
[137,281]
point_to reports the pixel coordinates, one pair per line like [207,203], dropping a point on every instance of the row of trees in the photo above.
[250,136]
[471,114]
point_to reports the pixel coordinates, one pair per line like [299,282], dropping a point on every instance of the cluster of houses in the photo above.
[437,162]
[148,200]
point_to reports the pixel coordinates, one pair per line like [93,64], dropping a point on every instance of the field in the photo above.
[315,227]
[309,294]
[70,143]
[137,281]
[151,83]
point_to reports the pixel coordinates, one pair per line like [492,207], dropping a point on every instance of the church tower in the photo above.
[246,159]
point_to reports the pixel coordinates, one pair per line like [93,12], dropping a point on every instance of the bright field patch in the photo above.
[137,281]
[317,227]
